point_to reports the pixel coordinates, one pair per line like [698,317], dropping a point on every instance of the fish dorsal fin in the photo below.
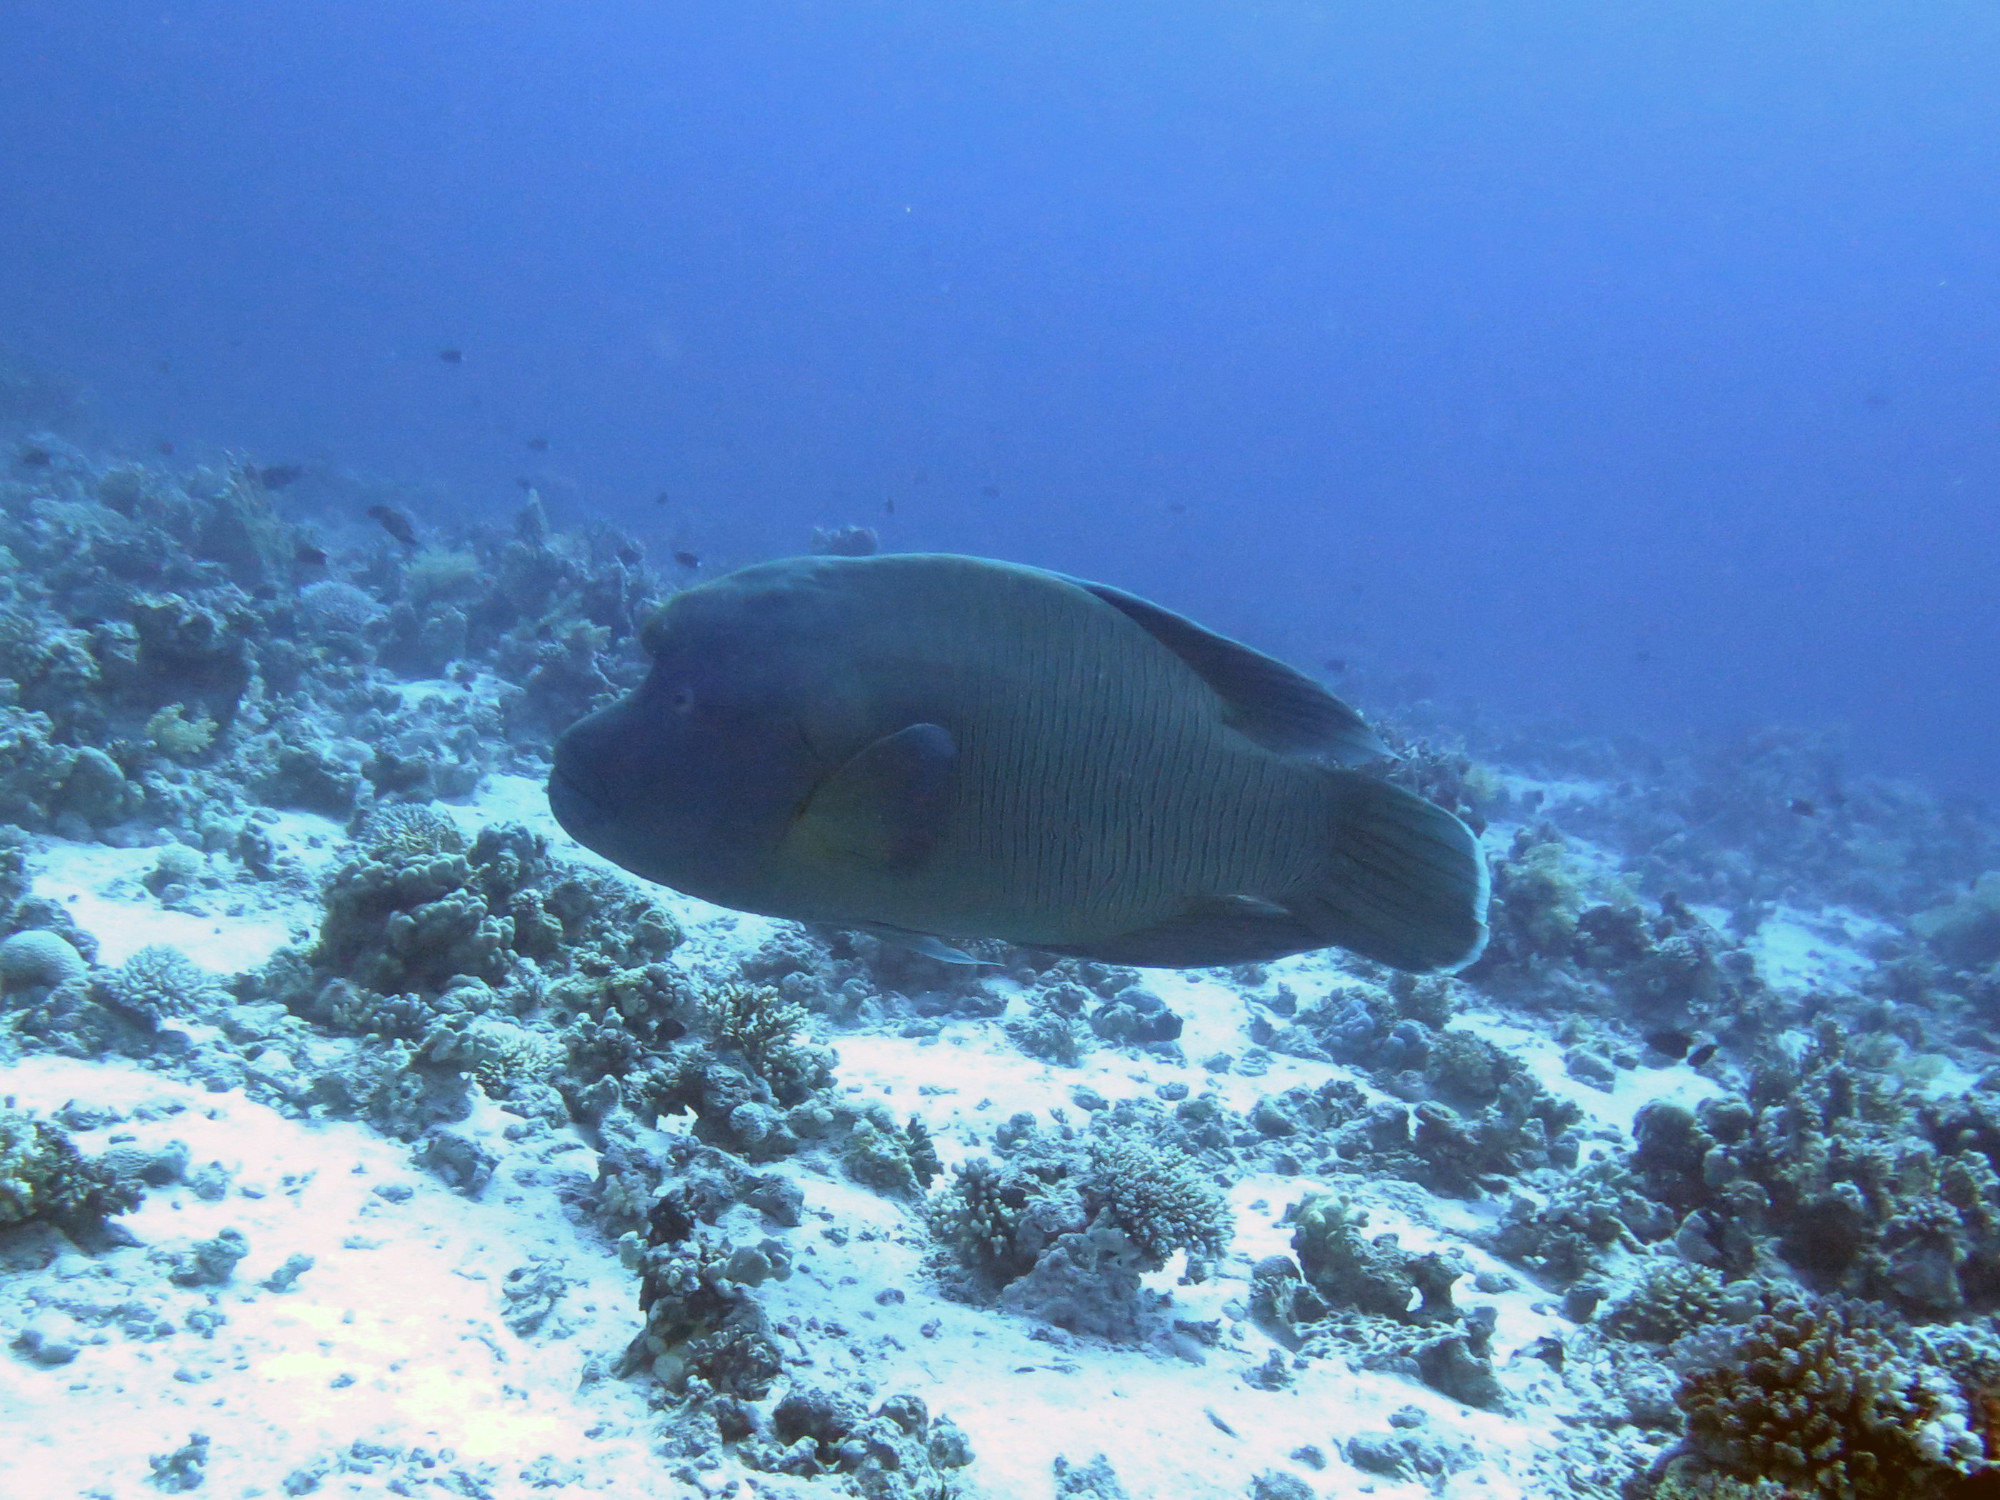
[1278,706]
[883,809]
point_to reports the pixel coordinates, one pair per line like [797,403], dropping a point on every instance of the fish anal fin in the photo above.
[1267,701]
[1215,930]
[883,809]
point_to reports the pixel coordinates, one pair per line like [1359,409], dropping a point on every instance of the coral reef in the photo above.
[195,671]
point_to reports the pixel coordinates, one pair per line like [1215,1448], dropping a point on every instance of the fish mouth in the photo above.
[577,805]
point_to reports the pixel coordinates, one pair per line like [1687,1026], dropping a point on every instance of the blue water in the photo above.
[1637,364]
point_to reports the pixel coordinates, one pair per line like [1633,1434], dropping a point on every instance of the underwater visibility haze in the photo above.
[591,903]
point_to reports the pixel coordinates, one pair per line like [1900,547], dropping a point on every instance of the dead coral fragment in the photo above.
[1375,1275]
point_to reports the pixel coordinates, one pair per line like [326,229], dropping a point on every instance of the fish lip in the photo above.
[575,804]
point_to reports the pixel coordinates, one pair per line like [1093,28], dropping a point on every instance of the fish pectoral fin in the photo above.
[885,807]
[1278,706]
[923,942]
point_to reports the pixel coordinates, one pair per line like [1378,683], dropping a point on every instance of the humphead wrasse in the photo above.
[934,747]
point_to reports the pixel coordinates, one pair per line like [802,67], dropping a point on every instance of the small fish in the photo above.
[1803,806]
[686,558]
[306,555]
[1701,1054]
[937,747]
[662,498]
[452,355]
[1674,1044]
[277,476]
[33,456]
[1642,655]
[1177,507]
[990,491]
[397,523]
[538,445]
[888,507]
[164,446]
[523,482]
[1335,664]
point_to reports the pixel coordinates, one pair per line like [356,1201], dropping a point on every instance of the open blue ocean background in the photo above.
[1635,365]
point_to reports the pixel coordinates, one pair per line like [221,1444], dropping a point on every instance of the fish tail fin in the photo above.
[1404,883]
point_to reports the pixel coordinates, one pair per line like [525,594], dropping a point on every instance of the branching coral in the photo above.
[1156,1198]
[768,1031]
[160,982]
[1829,1398]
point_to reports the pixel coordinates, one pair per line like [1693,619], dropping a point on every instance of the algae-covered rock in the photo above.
[44,1176]
[1966,930]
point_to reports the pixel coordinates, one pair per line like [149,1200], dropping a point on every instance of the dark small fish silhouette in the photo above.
[165,446]
[1335,664]
[888,507]
[395,522]
[523,482]
[1673,1043]
[309,556]
[538,445]
[1177,507]
[277,476]
[452,355]
[990,491]
[1643,654]
[33,456]
[1701,1054]
[662,498]
[1804,807]
[686,558]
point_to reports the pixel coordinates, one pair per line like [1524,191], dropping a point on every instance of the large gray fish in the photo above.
[937,747]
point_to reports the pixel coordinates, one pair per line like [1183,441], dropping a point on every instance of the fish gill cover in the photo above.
[1596,404]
